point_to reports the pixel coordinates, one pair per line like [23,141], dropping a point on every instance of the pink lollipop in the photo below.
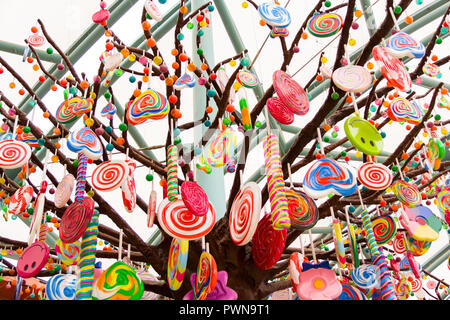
[392,69]
[129,193]
[64,190]
[295,268]
[20,200]
[352,78]
[110,175]
[178,222]
[194,198]
[280,111]
[36,40]
[75,220]
[290,92]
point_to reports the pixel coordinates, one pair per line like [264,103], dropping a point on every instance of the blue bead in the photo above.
[109,129]
[197,151]
[132,79]
[176,132]
[162,1]
[383,134]
[210,8]
[351,209]
[207,123]
[109,147]
[211,93]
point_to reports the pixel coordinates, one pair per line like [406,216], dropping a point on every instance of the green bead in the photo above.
[48,219]
[343,153]
[73,90]
[149,177]
[49,50]
[327,4]
[107,95]
[201,33]
[41,141]
[394,168]
[190,25]
[330,195]
[118,72]
[335,96]
[414,163]
[177,140]
[75,163]
[20,183]
[326,139]
[26,129]
[199,51]
[437,117]
[258,124]
[123,127]
[389,256]
[334,134]
[30,210]
[32,103]
[398,10]
[147,16]
[226,121]
[245,62]
[439,40]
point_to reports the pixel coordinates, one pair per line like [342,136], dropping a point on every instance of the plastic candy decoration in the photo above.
[318,282]
[366,276]
[153,10]
[417,247]
[444,103]
[203,164]
[20,200]
[295,268]
[325,24]
[220,292]
[185,81]
[431,70]
[109,175]
[274,15]
[443,200]
[339,244]
[290,92]
[275,182]
[194,198]
[68,253]
[247,79]
[245,112]
[61,287]
[422,224]
[84,140]
[353,245]
[178,222]
[29,139]
[328,176]
[363,135]
[64,190]
[36,40]
[151,210]
[108,110]
[436,152]
[223,78]
[384,229]
[244,214]
[75,220]
[279,32]
[401,109]
[267,244]
[221,149]
[409,264]
[280,111]
[72,109]
[351,293]
[102,15]
[13,154]
[148,105]
[129,193]
[111,59]
[172,172]
[403,289]
[375,176]
[176,265]
[32,260]
[402,45]
[399,244]
[206,276]
[408,194]
[118,282]
[392,69]
[352,78]
[303,211]
[416,284]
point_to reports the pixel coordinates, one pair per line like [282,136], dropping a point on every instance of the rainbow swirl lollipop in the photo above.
[176,265]
[431,70]
[247,79]
[221,149]
[274,15]
[325,24]
[108,110]
[85,140]
[206,278]
[401,109]
[407,193]
[118,282]
[72,109]
[69,253]
[185,81]
[328,176]
[384,229]
[417,247]
[148,105]
[402,45]
[443,200]
[303,211]
[444,103]
[436,152]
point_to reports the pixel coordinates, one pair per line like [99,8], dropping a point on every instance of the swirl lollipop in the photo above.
[366,276]
[29,139]
[148,105]
[75,220]
[109,175]
[222,148]
[247,79]
[13,154]
[176,265]
[36,40]
[399,244]
[290,92]
[325,24]
[20,200]
[279,32]
[185,81]
[108,110]
[418,248]
[64,190]
[274,15]
[178,222]
[71,110]
[118,282]
[244,214]
[375,176]
[402,45]
[384,229]
[443,200]
[401,109]
[303,211]
[267,244]
[352,78]
[280,111]
[194,198]
[206,277]
[407,193]
[351,293]
[436,152]
[129,193]
[61,287]
[84,140]
[431,70]
[68,253]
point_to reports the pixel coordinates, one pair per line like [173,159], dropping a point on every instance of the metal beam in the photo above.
[19,50]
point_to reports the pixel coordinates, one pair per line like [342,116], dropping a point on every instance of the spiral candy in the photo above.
[303,211]
[407,193]
[431,70]
[290,92]
[194,198]
[399,244]
[68,253]
[85,141]
[185,81]
[352,78]
[351,293]
[29,139]
[280,111]
[20,200]
[402,45]
[72,109]
[36,40]
[275,182]
[61,287]
[176,265]
[436,152]
[392,69]
[375,176]
[340,249]
[325,24]
[401,109]
[247,79]
[384,229]
[148,105]
[403,289]
[206,277]
[172,173]
[76,220]
[109,175]
[13,154]
[109,109]
[366,276]
[279,32]
[274,15]
[417,247]
[443,200]
[222,148]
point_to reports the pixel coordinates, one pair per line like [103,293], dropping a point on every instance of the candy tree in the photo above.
[346,209]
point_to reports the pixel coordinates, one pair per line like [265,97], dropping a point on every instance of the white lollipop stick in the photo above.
[397,27]
[319,137]
[290,176]
[347,218]
[16,119]
[312,246]
[120,244]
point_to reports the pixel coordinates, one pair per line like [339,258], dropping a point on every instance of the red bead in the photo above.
[41,78]
[199,18]
[213,76]
[347,158]
[173,99]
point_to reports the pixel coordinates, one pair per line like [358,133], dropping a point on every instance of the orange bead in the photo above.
[204,66]
[395,94]
[390,97]
[20,175]
[408,127]
[55,158]
[151,42]
[183,9]
[394,207]
[108,33]
[434,57]
[262,23]
[304,35]
[174,52]
[30,60]
[192,67]
[56,131]
[326,127]
[12,85]
[19,251]
[417,145]
[319,77]
[54,87]
[137,92]
[120,141]
[358,13]
[230,108]
[84,84]
[53,220]
[370,65]
[2,193]
[109,46]
[409,19]
[386,104]
[6,200]
[46,114]
[35,67]
[34,29]
[168,81]
[33,169]
[175,65]
[349,99]
[22,92]
[162,182]
[146,25]
[145,78]
[444,91]
[209,109]
[232,118]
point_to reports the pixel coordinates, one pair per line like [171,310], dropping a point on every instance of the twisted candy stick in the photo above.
[81,177]
[172,173]
[246,120]
[87,259]
[275,182]
[387,288]
[340,249]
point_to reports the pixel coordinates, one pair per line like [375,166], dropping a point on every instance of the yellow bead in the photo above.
[202,23]
[236,86]
[4,252]
[245,4]
[100,242]
[444,131]
[352,42]
[89,122]
[2,180]
[358,154]
[323,59]
[90,193]
[132,57]
[232,63]
[388,190]
[92,95]
[157,60]
[425,134]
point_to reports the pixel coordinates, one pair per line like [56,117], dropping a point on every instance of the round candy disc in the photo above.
[244,214]
[366,276]
[75,220]
[431,70]
[352,78]
[267,244]
[303,211]
[407,193]
[73,109]
[392,69]
[129,193]
[399,244]
[443,200]
[32,260]
[36,40]
[351,293]
[194,198]
[153,10]
[176,265]
[61,287]
[402,45]
[290,92]
[64,190]
[274,15]
[69,253]
[29,139]
[375,176]
[280,111]
[422,224]
[247,79]
[85,140]
[149,104]
[20,200]
[401,109]
[325,24]
[178,222]
[206,277]
[363,135]
[384,229]
[13,154]
[110,175]
[185,81]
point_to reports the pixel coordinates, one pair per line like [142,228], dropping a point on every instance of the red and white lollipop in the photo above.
[129,193]
[20,200]
[14,154]
[244,214]
[178,222]
[290,92]
[110,175]
[36,40]
[375,176]
[194,198]
[64,190]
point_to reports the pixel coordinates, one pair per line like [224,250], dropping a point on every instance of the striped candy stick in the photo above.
[81,177]
[340,249]
[245,113]
[172,173]
[275,182]
[87,259]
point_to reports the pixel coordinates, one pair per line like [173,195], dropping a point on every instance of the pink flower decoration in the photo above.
[318,284]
